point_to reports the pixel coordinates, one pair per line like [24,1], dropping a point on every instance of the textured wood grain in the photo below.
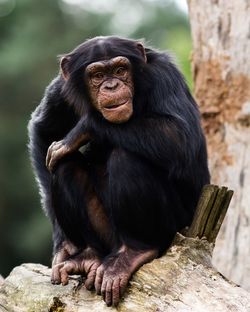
[210,212]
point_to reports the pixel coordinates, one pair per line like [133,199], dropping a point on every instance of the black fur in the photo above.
[153,166]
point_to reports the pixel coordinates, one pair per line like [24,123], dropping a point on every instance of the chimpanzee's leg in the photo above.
[142,201]
[81,217]
[139,204]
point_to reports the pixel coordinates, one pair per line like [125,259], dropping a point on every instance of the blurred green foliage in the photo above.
[32,34]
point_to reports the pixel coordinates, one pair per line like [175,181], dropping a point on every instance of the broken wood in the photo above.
[210,212]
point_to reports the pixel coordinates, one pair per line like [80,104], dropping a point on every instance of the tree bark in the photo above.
[181,280]
[221,71]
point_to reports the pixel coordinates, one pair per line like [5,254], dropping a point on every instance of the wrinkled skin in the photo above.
[111,88]
[113,275]
[56,151]
[66,251]
[68,262]
[109,277]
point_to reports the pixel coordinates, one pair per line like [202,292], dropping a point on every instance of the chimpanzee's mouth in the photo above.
[115,106]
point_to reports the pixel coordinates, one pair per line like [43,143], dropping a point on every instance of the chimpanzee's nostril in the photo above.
[112,85]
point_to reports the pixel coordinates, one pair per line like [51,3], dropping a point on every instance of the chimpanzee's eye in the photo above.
[120,71]
[98,76]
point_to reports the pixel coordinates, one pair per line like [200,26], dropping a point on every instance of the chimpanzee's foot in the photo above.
[67,250]
[85,263]
[113,275]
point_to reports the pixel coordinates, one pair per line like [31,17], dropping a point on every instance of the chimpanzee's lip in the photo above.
[115,106]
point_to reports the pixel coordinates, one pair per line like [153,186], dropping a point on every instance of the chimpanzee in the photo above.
[120,159]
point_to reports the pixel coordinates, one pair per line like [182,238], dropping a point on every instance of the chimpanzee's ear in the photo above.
[142,50]
[64,62]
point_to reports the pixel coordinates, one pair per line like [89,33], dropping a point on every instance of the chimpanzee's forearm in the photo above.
[78,136]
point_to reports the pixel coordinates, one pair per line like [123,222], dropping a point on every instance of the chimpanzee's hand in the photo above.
[56,151]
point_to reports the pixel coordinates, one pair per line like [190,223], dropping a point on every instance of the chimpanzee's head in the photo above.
[103,70]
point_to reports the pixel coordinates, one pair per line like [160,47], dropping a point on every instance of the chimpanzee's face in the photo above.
[111,88]
[107,82]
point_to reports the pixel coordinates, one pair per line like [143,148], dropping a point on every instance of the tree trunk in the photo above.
[221,71]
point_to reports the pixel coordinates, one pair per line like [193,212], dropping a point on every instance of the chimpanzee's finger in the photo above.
[108,293]
[55,274]
[89,283]
[116,292]
[98,280]
[69,267]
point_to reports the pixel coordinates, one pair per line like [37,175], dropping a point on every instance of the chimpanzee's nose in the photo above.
[111,85]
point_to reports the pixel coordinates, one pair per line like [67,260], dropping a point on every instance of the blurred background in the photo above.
[32,34]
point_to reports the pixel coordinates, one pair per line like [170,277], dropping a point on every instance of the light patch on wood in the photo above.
[220,98]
